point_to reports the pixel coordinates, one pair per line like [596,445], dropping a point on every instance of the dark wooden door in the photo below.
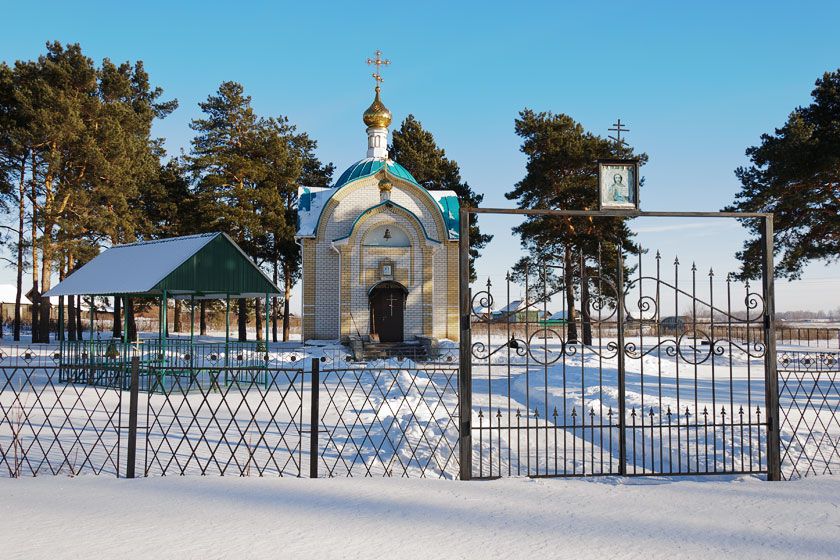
[387,310]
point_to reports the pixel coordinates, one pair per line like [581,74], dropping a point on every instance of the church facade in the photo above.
[380,252]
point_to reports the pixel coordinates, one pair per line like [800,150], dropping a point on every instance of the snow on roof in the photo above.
[8,292]
[515,305]
[311,201]
[132,268]
[449,207]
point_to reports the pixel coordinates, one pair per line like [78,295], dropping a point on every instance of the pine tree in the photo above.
[795,174]
[228,166]
[85,152]
[562,173]
[416,150]
[312,173]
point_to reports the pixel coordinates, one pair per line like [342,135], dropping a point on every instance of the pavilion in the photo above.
[194,267]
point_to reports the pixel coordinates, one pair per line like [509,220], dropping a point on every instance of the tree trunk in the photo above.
[21,217]
[177,316]
[35,311]
[571,319]
[116,329]
[34,231]
[47,248]
[258,315]
[585,315]
[79,331]
[274,305]
[202,318]
[242,319]
[71,318]
[287,294]
[44,323]
[132,320]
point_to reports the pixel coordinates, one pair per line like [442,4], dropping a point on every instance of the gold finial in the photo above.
[385,184]
[377,115]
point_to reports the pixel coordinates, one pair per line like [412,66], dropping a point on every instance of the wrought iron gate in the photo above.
[646,367]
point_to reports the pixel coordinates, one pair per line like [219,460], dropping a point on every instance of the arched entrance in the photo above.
[387,310]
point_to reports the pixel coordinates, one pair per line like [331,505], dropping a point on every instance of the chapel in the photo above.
[380,251]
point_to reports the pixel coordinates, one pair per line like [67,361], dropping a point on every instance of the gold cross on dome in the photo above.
[378,61]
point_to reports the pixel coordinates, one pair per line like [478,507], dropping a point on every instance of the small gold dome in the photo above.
[377,115]
[385,185]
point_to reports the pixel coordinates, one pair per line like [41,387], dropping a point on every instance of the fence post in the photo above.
[134,391]
[465,347]
[622,397]
[314,420]
[771,381]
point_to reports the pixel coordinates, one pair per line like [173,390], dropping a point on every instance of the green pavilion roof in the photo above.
[209,265]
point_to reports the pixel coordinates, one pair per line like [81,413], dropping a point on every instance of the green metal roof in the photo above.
[206,265]
[369,166]
[220,267]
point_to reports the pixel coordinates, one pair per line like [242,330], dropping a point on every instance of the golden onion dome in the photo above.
[377,115]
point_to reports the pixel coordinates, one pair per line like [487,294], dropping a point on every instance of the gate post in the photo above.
[622,404]
[314,421]
[134,390]
[465,344]
[771,380]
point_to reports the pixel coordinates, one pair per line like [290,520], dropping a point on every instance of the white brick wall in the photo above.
[355,199]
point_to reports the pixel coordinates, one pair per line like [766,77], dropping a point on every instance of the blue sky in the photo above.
[697,84]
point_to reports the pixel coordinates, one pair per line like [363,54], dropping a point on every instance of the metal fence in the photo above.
[809,399]
[385,420]
[331,417]
[239,421]
[49,426]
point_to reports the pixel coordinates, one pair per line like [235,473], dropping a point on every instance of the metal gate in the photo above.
[608,363]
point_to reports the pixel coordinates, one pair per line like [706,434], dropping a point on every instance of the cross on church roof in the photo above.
[378,61]
[618,129]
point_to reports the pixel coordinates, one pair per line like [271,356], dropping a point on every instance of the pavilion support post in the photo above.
[192,333]
[267,312]
[192,326]
[164,302]
[90,342]
[61,320]
[227,327]
[126,342]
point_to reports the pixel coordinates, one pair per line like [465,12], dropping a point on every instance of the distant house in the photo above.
[673,324]
[7,303]
[557,318]
[518,311]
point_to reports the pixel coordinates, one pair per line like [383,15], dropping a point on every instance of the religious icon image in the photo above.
[618,184]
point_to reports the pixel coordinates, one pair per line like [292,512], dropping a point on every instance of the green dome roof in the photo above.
[369,166]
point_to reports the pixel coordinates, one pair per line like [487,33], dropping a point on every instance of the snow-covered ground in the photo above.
[232,517]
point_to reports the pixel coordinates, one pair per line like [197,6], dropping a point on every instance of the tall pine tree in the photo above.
[415,149]
[562,174]
[795,174]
